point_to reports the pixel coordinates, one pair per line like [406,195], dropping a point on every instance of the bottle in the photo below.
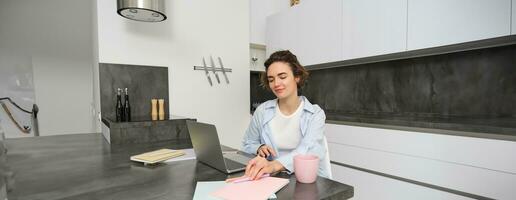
[161,112]
[118,107]
[127,107]
[154,109]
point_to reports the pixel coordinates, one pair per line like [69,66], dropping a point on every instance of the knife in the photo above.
[206,71]
[223,70]
[213,69]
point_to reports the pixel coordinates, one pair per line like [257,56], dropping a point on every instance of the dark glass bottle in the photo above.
[127,107]
[119,107]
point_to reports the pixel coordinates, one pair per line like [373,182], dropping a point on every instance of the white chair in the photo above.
[328,164]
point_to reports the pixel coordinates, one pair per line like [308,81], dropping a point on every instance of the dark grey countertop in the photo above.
[142,122]
[427,130]
[85,166]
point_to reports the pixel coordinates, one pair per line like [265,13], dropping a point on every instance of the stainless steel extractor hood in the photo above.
[142,10]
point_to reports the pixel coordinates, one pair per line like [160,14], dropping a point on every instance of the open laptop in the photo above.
[207,149]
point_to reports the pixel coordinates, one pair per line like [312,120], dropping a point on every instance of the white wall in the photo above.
[56,34]
[17,83]
[513,15]
[478,166]
[259,10]
[194,29]
[96,115]
[259,53]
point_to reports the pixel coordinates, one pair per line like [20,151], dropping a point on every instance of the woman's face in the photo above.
[281,80]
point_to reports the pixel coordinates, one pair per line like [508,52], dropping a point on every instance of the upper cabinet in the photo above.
[373,27]
[434,23]
[319,31]
[281,30]
[259,10]
[312,30]
[333,30]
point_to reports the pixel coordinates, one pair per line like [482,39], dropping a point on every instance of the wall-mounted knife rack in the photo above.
[213,69]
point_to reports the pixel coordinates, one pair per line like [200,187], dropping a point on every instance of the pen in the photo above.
[243,179]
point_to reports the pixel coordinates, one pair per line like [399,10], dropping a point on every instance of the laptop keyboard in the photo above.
[237,158]
[230,164]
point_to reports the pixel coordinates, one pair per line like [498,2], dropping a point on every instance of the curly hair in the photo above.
[287,57]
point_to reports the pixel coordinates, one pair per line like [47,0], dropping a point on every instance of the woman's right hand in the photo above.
[265,151]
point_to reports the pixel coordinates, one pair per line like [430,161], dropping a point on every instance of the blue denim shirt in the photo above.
[312,135]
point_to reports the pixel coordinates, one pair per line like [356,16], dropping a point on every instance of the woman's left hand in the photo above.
[259,166]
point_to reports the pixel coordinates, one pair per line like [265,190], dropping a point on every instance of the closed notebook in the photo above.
[203,189]
[157,156]
[251,190]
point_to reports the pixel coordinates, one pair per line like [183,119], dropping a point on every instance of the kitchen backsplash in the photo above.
[468,91]
[143,83]
[473,91]
[258,93]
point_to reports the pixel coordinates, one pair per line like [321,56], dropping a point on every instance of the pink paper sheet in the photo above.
[250,190]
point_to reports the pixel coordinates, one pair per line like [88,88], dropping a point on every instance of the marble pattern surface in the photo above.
[143,82]
[468,91]
[148,131]
[258,93]
[84,166]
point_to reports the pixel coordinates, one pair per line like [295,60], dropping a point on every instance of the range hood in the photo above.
[142,10]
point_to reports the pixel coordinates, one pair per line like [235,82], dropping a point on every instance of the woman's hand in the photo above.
[265,151]
[259,166]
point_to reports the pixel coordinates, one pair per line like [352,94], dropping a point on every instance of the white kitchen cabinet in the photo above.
[319,31]
[259,10]
[448,161]
[373,27]
[311,30]
[280,31]
[371,186]
[434,23]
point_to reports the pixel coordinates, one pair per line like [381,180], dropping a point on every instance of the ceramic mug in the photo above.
[306,167]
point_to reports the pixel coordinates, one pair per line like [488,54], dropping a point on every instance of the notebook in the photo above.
[251,190]
[203,189]
[189,155]
[157,156]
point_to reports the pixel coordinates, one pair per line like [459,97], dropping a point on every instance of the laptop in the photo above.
[207,149]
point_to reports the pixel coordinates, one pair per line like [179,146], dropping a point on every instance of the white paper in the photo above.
[189,155]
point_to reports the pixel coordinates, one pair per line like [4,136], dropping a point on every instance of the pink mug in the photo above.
[306,167]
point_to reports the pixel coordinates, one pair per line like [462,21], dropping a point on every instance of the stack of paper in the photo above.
[157,156]
[251,190]
[189,155]
[205,190]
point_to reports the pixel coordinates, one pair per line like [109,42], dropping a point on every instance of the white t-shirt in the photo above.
[286,132]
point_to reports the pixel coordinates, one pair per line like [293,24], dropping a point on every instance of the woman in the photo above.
[286,126]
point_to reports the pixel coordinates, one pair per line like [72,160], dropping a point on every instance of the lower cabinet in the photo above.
[476,166]
[371,186]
